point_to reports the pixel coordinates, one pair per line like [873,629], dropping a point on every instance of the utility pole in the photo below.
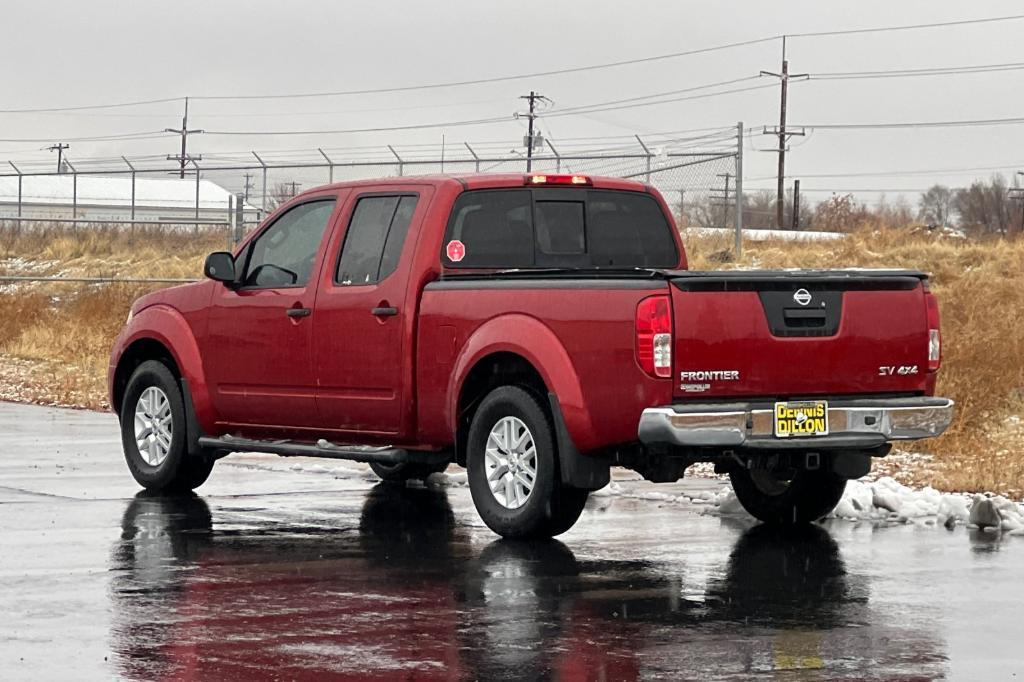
[724,199]
[59,148]
[1018,194]
[531,140]
[295,187]
[796,205]
[248,186]
[184,131]
[781,131]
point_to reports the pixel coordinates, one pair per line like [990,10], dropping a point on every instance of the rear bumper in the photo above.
[852,424]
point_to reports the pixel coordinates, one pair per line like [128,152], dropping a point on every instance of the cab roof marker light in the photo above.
[557,180]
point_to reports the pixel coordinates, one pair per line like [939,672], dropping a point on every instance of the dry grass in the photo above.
[55,339]
[103,251]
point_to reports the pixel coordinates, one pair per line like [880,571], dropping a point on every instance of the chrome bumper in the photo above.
[852,423]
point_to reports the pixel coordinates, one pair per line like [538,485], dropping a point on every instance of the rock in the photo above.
[731,505]
[984,513]
[950,522]
[885,499]
[955,507]
[1011,523]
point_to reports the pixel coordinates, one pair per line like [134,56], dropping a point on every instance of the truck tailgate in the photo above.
[779,334]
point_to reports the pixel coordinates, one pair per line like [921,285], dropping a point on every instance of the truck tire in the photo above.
[153,432]
[405,471]
[513,468]
[806,497]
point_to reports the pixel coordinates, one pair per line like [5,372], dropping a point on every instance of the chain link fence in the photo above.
[137,219]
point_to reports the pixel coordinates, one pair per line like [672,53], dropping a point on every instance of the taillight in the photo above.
[934,336]
[654,336]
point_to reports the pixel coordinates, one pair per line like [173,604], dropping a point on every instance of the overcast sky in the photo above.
[67,53]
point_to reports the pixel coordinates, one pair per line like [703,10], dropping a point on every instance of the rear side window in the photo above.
[374,240]
[496,228]
[524,228]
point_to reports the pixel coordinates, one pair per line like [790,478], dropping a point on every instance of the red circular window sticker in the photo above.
[455,250]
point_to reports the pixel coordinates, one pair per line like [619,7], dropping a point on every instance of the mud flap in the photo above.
[578,470]
[192,430]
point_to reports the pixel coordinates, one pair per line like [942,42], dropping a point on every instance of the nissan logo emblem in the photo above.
[802,296]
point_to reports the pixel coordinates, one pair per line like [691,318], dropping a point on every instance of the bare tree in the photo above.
[840,213]
[759,208]
[896,213]
[985,207]
[280,193]
[936,205]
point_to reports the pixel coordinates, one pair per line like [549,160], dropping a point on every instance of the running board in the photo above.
[323,448]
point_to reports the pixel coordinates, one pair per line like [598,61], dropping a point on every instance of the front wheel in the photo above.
[153,432]
[787,498]
[513,468]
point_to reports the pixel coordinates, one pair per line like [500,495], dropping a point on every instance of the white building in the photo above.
[99,198]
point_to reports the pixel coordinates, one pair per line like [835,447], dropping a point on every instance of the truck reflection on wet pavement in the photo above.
[400,588]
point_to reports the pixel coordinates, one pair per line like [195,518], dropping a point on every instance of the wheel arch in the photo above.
[162,333]
[521,351]
[137,352]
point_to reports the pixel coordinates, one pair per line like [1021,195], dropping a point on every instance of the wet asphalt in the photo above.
[275,573]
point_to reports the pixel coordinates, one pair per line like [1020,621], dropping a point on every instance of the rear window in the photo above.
[524,228]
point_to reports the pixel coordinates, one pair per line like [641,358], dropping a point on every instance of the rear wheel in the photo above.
[405,471]
[513,468]
[782,497]
[153,432]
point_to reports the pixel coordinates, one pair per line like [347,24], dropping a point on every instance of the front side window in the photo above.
[374,240]
[284,254]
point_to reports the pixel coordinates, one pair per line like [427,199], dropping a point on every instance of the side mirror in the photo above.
[220,266]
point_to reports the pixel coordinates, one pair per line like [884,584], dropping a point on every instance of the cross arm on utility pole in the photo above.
[59,148]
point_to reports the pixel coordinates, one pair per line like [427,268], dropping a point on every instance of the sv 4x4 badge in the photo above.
[897,370]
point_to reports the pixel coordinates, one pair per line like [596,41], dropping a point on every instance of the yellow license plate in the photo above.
[801,419]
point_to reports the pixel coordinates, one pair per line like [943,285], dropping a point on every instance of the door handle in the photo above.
[298,312]
[384,311]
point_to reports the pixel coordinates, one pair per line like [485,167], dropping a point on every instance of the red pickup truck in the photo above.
[536,330]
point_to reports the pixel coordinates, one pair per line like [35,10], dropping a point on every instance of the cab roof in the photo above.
[490,181]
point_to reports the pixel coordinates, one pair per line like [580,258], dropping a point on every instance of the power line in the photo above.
[626,62]
[599,106]
[611,105]
[883,174]
[916,124]
[417,126]
[85,107]
[905,27]
[933,71]
[96,138]
[499,79]
[570,110]
[536,74]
